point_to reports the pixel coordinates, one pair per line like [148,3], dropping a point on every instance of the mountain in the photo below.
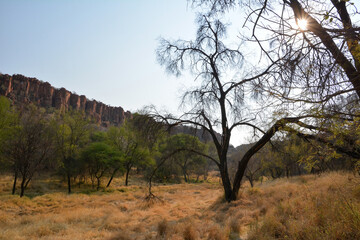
[21,90]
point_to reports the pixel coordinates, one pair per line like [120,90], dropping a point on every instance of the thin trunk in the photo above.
[185,175]
[22,187]
[27,182]
[127,176]
[254,149]
[251,180]
[98,184]
[272,173]
[14,185]
[287,172]
[112,177]
[69,182]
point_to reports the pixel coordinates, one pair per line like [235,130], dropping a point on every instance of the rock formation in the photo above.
[21,90]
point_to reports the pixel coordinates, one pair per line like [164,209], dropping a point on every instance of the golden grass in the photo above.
[306,207]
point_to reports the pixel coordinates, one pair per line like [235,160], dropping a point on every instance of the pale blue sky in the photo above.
[104,49]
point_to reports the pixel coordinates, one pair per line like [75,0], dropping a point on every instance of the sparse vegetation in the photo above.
[303,207]
[302,167]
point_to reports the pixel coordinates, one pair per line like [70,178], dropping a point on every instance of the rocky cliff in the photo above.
[21,89]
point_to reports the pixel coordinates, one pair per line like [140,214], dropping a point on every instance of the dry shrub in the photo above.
[162,228]
[356,192]
[121,236]
[216,233]
[254,191]
[190,233]
[321,209]
[271,228]
[235,225]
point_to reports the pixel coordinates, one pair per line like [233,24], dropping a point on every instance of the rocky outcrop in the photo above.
[22,90]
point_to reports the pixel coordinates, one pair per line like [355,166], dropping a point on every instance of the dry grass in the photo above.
[310,207]
[306,207]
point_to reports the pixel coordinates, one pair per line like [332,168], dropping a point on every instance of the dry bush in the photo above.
[216,233]
[321,208]
[190,233]
[162,228]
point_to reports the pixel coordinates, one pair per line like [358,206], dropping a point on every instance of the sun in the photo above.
[302,24]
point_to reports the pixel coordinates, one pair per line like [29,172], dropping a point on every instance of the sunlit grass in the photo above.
[299,206]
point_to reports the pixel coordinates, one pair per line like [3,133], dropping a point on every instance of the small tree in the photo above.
[98,159]
[188,160]
[8,118]
[72,133]
[127,140]
[28,145]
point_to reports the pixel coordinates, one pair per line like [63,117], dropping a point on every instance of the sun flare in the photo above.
[302,24]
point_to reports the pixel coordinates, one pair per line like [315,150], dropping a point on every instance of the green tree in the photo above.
[188,160]
[126,139]
[72,133]
[28,145]
[98,159]
[8,118]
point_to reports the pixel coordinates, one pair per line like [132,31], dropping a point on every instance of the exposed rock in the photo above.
[21,89]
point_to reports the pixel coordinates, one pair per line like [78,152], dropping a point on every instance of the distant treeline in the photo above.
[35,141]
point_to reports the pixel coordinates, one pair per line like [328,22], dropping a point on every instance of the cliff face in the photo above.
[22,89]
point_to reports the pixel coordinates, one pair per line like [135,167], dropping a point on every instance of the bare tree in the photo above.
[218,103]
[314,53]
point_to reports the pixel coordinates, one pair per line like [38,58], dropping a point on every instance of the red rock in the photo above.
[21,89]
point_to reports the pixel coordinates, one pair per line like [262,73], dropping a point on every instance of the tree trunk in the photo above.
[14,185]
[112,177]
[287,172]
[250,178]
[22,187]
[185,175]
[254,149]
[98,184]
[127,176]
[238,177]
[69,182]
[226,182]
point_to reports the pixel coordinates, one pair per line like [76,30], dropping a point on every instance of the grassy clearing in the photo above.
[306,207]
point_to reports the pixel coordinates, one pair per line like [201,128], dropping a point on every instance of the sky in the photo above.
[103,49]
